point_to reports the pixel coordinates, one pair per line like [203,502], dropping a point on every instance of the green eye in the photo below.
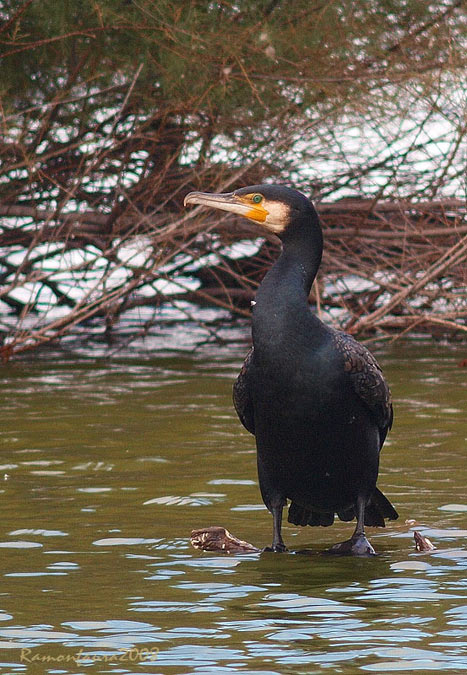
[257,198]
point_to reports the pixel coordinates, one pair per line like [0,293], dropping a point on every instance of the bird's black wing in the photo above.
[367,380]
[242,397]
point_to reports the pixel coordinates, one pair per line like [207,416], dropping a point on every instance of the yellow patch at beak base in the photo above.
[257,213]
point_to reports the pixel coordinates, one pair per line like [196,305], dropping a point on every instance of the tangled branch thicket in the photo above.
[111,114]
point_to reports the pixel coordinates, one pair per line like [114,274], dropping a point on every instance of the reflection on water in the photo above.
[107,466]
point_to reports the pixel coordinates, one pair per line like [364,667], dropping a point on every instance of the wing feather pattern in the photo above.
[242,397]
[367,380]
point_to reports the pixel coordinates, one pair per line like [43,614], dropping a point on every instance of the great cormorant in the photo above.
[315,399]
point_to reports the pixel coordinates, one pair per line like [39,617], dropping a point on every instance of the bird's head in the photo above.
[274,207]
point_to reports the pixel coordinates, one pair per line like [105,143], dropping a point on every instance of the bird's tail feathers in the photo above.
[377,509]
[303,515]
[383,506]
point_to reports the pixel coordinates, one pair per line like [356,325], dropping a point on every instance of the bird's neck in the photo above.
[281,312]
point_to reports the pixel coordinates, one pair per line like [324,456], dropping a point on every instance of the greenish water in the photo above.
[107,466]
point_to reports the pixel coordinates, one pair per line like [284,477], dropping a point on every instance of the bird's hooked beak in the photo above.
[232,202]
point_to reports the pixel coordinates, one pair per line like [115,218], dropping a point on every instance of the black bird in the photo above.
[315,399]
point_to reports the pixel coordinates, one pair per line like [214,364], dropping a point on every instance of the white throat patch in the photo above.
[278,216]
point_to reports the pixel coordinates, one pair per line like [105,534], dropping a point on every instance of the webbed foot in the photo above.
[357,545]
[276,548]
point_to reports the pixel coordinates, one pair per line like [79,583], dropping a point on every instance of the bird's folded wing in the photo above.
[367,380]
[242,397]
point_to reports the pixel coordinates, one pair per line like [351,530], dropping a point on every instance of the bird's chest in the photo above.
[294,385]
[297,375]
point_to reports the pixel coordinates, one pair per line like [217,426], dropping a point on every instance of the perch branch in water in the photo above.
[217,538]
[422,543]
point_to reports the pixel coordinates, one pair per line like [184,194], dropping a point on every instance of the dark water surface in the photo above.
[106,467]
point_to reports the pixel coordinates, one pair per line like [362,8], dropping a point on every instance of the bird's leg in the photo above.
[358,544]
[361,545]
[278,545]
